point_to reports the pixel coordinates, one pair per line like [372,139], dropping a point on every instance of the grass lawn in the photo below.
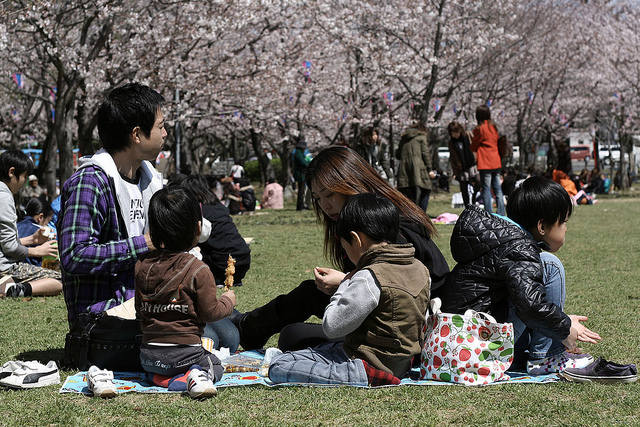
[601,257]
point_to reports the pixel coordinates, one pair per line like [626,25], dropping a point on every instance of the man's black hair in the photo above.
[539,198]
[125,108]
[173,219]
[14,159]
[375,216]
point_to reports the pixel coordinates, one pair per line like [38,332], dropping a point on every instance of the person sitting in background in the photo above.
[577,197]
[273,195]
[224,239]
[38,215]
[20,279]
[32,190]
[231,196]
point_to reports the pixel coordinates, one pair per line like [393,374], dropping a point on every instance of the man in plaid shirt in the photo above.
[102,228]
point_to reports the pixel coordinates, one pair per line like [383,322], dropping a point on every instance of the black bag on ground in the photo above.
[109,342]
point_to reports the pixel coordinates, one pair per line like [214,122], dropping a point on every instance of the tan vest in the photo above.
[392,334]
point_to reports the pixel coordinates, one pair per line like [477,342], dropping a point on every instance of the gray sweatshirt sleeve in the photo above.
[10,247]
[354,300]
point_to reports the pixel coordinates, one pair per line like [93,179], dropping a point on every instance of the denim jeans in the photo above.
[224,334]
[491,180]
[541,346]
[326,363]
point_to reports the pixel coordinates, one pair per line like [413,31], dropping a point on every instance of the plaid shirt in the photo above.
[96,258]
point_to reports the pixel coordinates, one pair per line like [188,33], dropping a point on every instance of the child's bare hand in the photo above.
[579,333]
[39,237]
[327,279]
[47,249]
[231,295]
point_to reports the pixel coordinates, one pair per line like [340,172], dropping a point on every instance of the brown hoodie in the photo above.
[175,297]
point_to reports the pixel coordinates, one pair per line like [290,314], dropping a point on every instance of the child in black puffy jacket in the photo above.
[502,271]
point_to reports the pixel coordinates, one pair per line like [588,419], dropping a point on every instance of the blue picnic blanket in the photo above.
[137,382]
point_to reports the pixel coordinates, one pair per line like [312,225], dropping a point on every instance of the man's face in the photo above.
[152,145]
[34,183]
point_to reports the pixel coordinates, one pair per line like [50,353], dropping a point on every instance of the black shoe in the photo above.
[602,371]
[235,317]
[257,326]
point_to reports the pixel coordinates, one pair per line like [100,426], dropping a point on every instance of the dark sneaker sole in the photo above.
[593,379]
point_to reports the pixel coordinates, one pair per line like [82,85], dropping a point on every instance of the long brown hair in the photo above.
[343,171]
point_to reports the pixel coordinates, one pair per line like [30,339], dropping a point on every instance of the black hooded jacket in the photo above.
[498,261]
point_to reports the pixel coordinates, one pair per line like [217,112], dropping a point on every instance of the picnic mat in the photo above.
[137,382]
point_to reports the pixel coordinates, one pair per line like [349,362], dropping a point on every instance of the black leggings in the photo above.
[301,303]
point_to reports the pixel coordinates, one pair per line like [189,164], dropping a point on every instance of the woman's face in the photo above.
[330,202]
[455,134]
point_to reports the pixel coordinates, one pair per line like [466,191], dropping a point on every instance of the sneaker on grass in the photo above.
[200,384]
[31,375]
[100,382]
[558,363]
[9,368]
[602,371]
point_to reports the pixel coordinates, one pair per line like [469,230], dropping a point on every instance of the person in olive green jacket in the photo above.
[415,171]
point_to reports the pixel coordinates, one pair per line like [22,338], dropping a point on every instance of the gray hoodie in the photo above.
[11,250]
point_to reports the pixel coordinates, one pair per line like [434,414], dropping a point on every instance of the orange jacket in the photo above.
[485,143]
[564,180]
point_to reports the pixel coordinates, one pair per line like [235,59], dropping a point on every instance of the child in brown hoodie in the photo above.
[176,295]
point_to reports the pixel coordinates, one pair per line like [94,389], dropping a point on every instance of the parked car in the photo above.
[580,152]
[610,154]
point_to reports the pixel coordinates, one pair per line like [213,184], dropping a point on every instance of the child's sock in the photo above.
[379,377]
[18,289]
[176,383]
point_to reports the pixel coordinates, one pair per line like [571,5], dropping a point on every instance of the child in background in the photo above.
[378,311]
[501,271]
[20,279]
[176,295]
[39,213]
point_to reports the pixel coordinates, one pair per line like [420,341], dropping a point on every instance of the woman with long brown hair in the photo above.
[334,175]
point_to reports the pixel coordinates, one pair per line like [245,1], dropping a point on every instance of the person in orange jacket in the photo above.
[485,144]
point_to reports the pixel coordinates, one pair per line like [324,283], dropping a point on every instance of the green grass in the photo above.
[601,256]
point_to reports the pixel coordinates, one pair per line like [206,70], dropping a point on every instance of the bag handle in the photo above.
[86,336]
[480,315]
[435,305]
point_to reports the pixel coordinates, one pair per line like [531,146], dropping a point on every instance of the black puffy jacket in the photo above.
[497,261]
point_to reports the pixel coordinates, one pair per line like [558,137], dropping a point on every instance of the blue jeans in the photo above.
[491,180]
[541,346]
[326,363]
[224,334]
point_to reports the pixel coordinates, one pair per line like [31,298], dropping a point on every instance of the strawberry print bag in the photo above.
[469,349]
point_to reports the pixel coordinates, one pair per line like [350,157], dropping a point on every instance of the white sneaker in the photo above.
[9,368]
[200,385]
[100,382]
[31,374]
